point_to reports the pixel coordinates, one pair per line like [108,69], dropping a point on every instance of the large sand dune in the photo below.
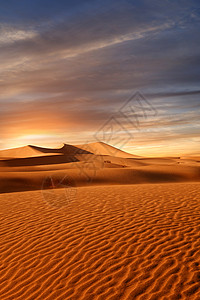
[33,151]
[100,148]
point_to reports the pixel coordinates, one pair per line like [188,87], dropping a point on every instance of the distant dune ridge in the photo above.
[26,168]
[33,151]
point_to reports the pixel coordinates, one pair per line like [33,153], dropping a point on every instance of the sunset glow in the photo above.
[67,68]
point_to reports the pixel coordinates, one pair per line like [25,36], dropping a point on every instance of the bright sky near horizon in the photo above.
[68,67]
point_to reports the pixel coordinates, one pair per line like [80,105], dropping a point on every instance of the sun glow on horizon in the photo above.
[31,139]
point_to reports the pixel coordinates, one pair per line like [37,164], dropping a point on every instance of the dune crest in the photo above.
[101,148]
[33,151]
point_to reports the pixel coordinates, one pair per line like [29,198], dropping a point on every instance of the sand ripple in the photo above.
[110,242]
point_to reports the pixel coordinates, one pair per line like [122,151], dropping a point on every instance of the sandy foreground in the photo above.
[94,222]
[139,241]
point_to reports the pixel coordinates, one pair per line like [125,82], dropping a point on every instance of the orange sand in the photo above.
[94,222]
[105,242]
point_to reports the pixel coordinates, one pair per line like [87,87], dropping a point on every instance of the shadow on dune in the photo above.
[65,150]
[40,160]
[16,182]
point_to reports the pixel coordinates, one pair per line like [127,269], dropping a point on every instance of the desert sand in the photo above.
[28,168]
[94,222]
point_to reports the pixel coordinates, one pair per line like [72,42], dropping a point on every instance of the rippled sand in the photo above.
[137,241]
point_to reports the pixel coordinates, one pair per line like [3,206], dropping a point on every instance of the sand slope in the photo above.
[34,151]
[100,148]
[104,242]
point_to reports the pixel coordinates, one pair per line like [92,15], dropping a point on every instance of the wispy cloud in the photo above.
[9,35]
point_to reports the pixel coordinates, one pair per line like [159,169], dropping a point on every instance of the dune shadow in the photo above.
[39,160]
[65,150]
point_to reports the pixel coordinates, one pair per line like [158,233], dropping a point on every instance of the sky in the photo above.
[123,72]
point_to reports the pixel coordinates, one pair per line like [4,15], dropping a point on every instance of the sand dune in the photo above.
[86,174]
[22,152]
[108,242]
[100,148]
[33,151]
[194,157]
[90,148]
